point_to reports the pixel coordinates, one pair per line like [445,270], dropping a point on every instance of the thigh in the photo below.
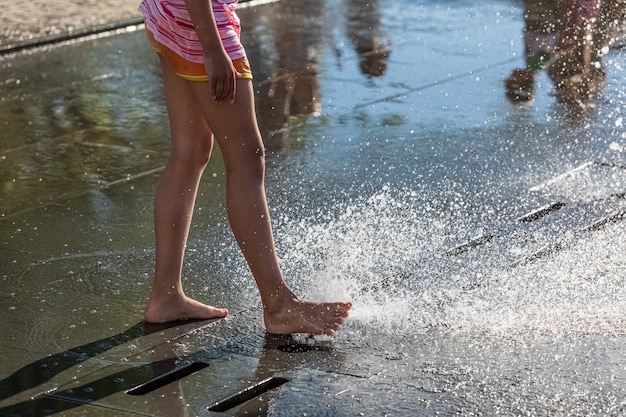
[233,124]
[189,128]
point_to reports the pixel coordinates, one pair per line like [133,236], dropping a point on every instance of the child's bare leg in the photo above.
[235,128]
[176,194]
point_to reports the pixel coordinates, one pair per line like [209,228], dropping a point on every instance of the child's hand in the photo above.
[222,77]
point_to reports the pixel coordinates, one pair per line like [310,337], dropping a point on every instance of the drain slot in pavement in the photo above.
[457,250]
[247,394]
[540,212]
[543,252]
[166,378]
[605,221]
[387,282]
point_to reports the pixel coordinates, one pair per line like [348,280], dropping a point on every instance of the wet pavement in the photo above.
[482,242]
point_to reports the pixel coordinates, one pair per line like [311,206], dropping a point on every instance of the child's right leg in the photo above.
[191,143]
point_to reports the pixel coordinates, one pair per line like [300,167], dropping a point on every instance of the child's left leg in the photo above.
[236,130]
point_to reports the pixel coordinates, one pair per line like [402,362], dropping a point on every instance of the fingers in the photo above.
[224,89]
[231,98]
[222,79]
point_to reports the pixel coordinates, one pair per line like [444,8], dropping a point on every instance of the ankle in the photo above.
[165,292]
[279,301]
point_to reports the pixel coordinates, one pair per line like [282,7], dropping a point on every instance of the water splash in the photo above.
[385,253]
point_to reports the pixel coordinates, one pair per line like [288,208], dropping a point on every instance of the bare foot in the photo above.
[179,307]
[297,316]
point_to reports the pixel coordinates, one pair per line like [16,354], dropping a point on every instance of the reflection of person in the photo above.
[363,27]
[568,39]
[209,95]
[540,39]
[577,71]
[281,355]
[292,88]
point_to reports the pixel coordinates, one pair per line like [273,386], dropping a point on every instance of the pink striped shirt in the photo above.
[171,25]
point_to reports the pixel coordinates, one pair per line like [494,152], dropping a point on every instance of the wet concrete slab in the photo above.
[482,243]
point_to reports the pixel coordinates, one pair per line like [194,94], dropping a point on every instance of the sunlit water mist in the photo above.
[386,254]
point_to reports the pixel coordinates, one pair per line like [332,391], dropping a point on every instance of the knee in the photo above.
[193,153]
[249,162]
[254,162]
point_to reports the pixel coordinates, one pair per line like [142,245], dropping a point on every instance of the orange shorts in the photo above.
[194,71]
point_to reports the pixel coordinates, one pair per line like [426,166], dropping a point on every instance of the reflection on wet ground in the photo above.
[568,39]
[480,240]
